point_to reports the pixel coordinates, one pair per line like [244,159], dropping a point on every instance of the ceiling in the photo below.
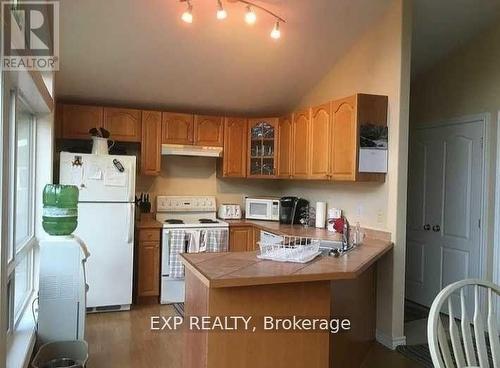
[139,52]
[440,26]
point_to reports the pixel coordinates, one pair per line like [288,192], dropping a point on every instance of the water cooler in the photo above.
[63,287]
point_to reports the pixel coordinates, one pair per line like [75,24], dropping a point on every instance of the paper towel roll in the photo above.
[320,214]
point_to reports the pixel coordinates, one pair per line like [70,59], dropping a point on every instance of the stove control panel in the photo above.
[185,204]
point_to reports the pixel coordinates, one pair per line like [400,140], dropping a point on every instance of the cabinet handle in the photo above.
[436,228]
[427,227]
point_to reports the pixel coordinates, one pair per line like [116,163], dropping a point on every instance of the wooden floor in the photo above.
[124,340]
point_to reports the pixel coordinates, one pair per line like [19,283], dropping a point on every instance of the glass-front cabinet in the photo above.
[263,148]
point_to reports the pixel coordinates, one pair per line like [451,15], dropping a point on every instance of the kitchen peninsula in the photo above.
[240,284]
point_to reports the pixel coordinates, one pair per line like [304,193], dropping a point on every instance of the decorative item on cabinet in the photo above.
[263,148]
[151,143]
[234,162]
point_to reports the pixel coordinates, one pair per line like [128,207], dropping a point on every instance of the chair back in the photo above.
[465,336]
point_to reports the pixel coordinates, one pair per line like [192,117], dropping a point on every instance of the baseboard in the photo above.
[389,341]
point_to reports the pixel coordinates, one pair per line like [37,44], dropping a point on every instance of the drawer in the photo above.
[149,235]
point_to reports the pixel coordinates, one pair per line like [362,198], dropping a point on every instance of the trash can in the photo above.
[58,354]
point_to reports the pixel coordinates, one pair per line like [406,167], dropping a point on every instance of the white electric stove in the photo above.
[195,214]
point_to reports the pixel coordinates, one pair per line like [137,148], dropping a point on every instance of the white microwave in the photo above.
[262,208]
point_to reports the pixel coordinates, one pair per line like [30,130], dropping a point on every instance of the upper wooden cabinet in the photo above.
[319,165]
[301,151]
[263,147]
[285,132]
[235,148]
[208,131]
[77,120]
[344,135]
[151,143]
[123,124]
[177,128]
[349,115]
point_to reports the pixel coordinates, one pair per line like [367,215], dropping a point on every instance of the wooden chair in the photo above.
[461,338]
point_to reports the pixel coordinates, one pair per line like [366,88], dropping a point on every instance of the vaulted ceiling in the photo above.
[140,52]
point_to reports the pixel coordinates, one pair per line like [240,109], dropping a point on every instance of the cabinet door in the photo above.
[285,131]
[301,151]
[344,134]
[235,147]
[77,120]
[148,283]
[241,239]
[208,131]
[151,143]
[263,147]
[177,128]
[123,124]
[319,165]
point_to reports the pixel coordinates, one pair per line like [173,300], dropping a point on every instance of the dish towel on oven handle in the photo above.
[177,246]
[194,241]
[215,240]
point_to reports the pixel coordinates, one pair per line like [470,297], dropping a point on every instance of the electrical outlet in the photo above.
[359,210]
[380,217]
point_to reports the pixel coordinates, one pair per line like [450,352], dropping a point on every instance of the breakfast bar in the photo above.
[340,290]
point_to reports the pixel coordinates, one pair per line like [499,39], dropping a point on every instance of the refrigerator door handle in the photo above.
[130,235]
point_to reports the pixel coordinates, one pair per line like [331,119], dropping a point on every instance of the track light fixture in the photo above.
[276,33]
[221,12]
[250,15]
[187,16]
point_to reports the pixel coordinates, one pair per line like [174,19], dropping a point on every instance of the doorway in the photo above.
[445,207]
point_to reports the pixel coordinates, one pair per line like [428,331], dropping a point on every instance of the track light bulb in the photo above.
[250,16]
[276,33]
[187,16]
[221,12]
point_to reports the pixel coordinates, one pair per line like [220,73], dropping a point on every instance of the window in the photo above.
[21,207]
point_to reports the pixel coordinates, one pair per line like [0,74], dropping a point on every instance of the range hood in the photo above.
[188,150]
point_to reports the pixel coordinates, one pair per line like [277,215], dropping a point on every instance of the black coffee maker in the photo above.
[293,209]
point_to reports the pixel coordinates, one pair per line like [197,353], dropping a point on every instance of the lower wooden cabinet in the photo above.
[148,263]
[243,238]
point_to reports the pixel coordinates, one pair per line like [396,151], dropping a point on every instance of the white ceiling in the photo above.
[139,52]
[440,26]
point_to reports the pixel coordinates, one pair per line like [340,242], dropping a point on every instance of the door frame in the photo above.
[485,119]
[496,226]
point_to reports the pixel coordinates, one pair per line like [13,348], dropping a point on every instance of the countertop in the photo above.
[299,230]
[148,221]
[234,269]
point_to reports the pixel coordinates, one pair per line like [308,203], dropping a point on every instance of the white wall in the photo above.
[378,63]
[466,82]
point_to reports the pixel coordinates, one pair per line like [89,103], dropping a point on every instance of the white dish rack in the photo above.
[290,249]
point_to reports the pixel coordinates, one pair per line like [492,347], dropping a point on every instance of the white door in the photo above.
[444,208]
[108,231]
[98,178]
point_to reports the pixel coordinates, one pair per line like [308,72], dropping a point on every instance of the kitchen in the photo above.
[184,189]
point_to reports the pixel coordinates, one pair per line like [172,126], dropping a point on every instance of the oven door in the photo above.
[258,209]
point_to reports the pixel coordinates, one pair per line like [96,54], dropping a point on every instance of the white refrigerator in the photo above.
[106,211]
